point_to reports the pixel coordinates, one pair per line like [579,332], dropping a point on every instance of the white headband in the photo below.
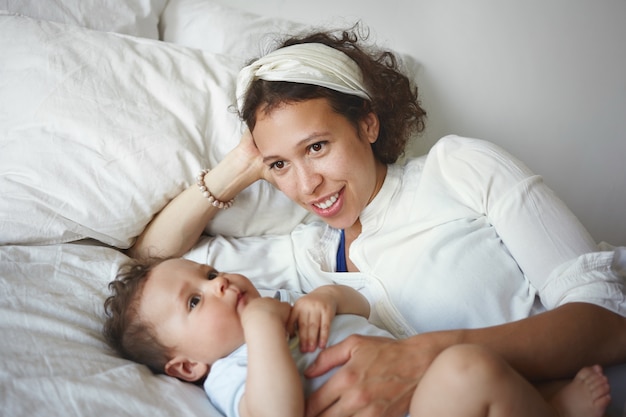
[307,63]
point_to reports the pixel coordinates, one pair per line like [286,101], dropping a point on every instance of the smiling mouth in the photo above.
[328,203]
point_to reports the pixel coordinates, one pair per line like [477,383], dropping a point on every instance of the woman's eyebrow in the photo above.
[308,139]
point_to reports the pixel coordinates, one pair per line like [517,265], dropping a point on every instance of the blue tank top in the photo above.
[342,265]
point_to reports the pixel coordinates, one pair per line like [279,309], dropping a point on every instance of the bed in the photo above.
[107,111]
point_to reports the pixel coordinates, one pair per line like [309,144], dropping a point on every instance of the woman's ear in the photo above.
[370,126]
[186,369]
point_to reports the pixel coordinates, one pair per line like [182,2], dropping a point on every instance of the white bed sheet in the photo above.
[53,358]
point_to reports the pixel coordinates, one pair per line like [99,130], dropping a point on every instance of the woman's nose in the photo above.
[308,180]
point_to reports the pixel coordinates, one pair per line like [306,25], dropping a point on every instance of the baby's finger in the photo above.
[324,331]
[308,330]
[292,321]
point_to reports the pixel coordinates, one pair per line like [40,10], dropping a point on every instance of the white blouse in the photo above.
[465,237]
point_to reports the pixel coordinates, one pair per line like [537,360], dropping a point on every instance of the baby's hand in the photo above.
[265,308]
[313,314]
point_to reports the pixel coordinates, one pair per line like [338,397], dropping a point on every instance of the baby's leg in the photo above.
[470,381]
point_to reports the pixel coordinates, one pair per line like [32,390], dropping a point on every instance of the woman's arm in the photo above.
[176,228]
[380,375]
[273,385]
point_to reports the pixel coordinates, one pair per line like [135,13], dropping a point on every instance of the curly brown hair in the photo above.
[393,98]
[124,330]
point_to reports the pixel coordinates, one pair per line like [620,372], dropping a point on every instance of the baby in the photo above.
[192,322]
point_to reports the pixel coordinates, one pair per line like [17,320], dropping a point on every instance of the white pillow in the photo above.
[131,17]
[98,131]
[213,27]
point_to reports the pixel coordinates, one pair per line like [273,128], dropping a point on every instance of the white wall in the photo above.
[546,79]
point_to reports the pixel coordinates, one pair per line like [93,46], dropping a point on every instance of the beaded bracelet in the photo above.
[205,192]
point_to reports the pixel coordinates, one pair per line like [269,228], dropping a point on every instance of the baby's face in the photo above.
[195,309]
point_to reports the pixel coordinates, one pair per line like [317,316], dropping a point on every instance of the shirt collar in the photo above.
[374,212]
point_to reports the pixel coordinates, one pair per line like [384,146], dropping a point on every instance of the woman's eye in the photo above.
[193,302]
[277,165]
[316,147]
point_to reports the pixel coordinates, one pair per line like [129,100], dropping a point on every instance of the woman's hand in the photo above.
[247,154]
[377,375]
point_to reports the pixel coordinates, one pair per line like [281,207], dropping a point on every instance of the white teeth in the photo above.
[327,203]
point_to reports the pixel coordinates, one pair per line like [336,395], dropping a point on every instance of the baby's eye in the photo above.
[212,275]
[193,301]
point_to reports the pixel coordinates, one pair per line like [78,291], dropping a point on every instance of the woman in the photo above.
[463,246]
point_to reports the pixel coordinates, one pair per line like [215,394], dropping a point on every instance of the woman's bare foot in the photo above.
[587,395]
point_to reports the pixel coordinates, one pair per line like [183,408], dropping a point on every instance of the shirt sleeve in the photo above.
[535,226]
[596,277]
[226,382]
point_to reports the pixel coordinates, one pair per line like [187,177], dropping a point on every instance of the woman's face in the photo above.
[320,160]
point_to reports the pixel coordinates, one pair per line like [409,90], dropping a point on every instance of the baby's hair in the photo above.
[124,330]
[394,98]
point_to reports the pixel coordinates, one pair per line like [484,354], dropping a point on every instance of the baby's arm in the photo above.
[273,386]
[314,312]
